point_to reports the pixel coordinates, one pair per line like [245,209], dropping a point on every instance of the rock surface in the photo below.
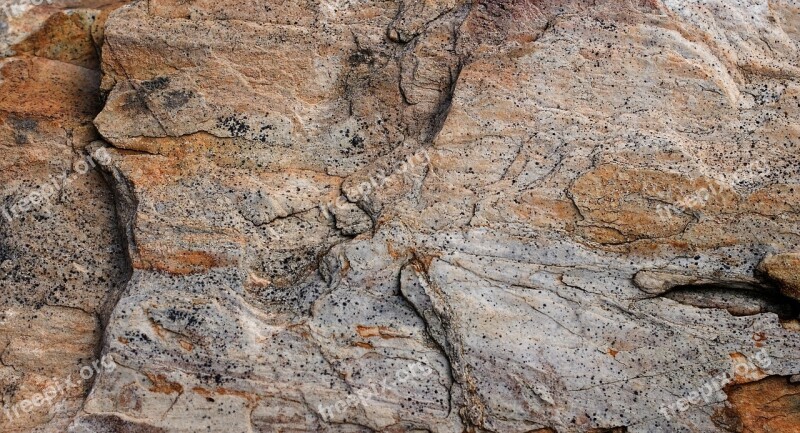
[62,263]
[417,216]
[784,270]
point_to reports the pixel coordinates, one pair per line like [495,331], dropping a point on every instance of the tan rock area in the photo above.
[62,263]
[437,216]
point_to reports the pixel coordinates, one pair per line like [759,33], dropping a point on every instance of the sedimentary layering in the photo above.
[421,216]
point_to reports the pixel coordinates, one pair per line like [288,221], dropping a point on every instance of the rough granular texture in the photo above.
[437,216]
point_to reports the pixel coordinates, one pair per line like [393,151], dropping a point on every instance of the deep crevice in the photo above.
[738,298]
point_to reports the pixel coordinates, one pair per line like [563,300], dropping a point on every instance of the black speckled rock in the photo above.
[433,216]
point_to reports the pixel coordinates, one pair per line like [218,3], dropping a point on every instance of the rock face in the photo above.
[62,263]
[417,216]
[784,269]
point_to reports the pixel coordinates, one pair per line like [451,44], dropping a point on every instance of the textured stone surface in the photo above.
[768,405]
[784,269]
[62,263]
[441,216]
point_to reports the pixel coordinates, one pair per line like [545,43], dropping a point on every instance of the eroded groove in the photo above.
[739,299]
